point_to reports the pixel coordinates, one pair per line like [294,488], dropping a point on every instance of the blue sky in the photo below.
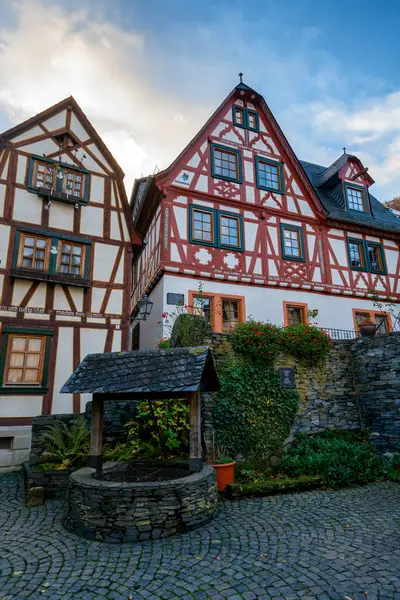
[148,73]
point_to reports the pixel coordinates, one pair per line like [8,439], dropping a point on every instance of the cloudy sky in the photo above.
[148,73]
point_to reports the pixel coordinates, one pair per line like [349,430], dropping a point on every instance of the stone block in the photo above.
[35,497]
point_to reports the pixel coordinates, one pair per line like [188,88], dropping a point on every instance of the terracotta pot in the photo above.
[225,474]
[367,329]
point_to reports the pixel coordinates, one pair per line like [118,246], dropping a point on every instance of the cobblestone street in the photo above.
[321,545]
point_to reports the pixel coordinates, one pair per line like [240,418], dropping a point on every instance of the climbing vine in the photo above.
[252,414]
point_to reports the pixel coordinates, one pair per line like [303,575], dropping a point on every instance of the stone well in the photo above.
[116,512]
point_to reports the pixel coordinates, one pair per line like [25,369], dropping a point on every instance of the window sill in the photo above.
[59,196]
[270,189]
[50,277]
[22,391]
[293,258]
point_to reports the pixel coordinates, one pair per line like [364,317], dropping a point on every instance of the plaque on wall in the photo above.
[175,299]
[287,377]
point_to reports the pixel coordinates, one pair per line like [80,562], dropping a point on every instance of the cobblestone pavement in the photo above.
[318,545]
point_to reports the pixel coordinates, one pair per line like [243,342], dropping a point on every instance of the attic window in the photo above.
[355,197]
[246,118]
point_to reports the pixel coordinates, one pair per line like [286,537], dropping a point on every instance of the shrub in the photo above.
[189,330]
[66,444]
[252,414]
[257,340]
[341,462]
[306,342]
[160,427]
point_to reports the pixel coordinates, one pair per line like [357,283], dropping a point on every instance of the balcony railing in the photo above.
[340,334]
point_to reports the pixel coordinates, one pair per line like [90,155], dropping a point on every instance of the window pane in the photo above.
[31,376]
[355,199]
[226,164]
[14,375]
[375,258]
[66,248]
[356,255]
[230,313]
[381,324]
[35,344]
[230,231]
[362,317]
[202,226]
[32,360]
[28,241]
[291,240]
[295,315]
[18,343]
[16,360]
[268,175]
[77,250]
[252,120]
[202,306]
[41,243]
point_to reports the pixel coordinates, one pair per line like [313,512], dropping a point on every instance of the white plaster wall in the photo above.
[57,121]
[266,304]
[20,406]
[104,259]
[78,129]
[61,216]
[97,189]
[150,331]
[92,341]
[21,169]
[92,221]
[2,198]
[27,207]
[62,403]
[4,237]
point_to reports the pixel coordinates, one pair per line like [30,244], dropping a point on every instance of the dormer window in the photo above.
[58,180]
[246,118]
[356,198]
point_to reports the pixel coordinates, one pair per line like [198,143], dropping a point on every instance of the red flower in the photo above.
[164,315]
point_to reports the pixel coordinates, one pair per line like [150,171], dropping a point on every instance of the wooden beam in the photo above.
[96,457]
[195,460]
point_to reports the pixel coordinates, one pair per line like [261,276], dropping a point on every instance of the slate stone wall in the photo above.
[357,386]
[130,512]
[116,416]
[54,483]
[377,383]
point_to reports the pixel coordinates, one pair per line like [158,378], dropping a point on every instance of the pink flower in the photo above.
[164,315]
[185,305]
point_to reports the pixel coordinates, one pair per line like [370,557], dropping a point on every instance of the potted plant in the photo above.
[367,329]
[224,467]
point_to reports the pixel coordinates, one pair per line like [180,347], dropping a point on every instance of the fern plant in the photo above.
[65,444]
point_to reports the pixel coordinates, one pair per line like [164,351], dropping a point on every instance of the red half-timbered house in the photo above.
[66,241]
[267,235]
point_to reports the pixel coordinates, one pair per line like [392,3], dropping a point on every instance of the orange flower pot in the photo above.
[225,474]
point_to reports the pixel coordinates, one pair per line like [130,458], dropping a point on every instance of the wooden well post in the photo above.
[96,453]
[195,460]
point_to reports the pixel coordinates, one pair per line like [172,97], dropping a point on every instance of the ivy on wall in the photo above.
[253,414]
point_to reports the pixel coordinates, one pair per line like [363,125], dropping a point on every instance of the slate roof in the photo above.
[150,372]
[329,189]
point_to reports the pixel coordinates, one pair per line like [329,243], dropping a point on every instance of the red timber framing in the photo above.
[264,214]
[85,311]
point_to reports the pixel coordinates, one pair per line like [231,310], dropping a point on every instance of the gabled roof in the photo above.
[333,200]
[326,177]
[69,102]
[151,372]
[242,87]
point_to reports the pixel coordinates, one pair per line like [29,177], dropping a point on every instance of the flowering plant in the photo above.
[306,342]
[256,339]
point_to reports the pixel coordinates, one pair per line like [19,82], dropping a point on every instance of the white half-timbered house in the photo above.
[267,235]
[66,241]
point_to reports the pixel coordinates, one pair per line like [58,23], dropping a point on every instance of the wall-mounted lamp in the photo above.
[145,307]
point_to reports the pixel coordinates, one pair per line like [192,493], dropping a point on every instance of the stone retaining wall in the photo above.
[357,386]
[130,512]
[53,482]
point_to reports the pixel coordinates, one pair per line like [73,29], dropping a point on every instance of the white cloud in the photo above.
[52,54]
[148,100]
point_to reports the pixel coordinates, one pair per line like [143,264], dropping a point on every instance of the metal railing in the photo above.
[340,334]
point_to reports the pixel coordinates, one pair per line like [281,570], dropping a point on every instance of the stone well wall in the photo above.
[130,512]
